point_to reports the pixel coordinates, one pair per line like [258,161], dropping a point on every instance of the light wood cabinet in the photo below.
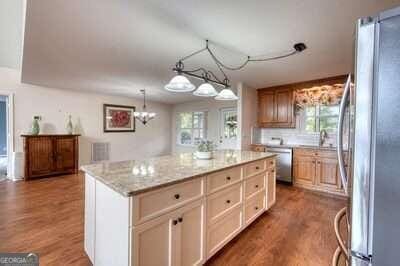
[317,169]
[177,238]
[276,107]
[304,169]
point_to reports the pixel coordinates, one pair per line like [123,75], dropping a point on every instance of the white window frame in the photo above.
[179,129]
[317,117]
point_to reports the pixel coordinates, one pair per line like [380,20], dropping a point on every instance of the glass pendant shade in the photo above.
[179,83]
[205,90]
[226,95]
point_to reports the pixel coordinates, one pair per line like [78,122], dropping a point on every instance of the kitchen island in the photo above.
[173,210]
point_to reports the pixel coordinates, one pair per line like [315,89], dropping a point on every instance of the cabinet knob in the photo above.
[273,171]
[256,208]
[271,162]
[174,222]
[177,196]
[180,219]
[228,178]
[228,201]
[257,167]
[256,186]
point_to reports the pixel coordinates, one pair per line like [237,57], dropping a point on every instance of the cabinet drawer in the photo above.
[271,163]
[254,168]
[221,202]
[254,207]
[254,184]
[221,179]
[154,203]
[258,148]
[305,152]
[224,230]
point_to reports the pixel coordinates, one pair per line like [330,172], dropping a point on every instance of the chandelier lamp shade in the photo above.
[180,83]
[144,116]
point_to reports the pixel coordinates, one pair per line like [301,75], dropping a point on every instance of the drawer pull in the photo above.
[228,201]
[228,178]
[180,219]
[256,186]
[174,222]
[177,196]
[273,171]
[257,167]
[256,208]
[271,163]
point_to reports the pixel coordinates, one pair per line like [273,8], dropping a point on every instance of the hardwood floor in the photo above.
[46,216]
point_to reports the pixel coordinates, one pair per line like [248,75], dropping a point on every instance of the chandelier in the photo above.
[180,83]
[144,116]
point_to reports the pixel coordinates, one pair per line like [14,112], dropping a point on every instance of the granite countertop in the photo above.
[137,176]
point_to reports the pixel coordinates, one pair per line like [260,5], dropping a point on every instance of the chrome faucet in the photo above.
[323,135]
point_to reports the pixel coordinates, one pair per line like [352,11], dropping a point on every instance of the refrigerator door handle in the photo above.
[346,94]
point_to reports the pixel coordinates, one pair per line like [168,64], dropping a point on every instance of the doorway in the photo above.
[228,128]
[4,158]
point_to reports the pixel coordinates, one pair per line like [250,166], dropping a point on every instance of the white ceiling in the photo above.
[122,46]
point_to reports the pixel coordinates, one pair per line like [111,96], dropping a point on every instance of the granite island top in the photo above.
[136,176]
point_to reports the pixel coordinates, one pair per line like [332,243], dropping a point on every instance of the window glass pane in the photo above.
[310,111]
[230,124]
[185,136]
[198,120]
[185,120]
[198,134]
[328,110]
[310,124]
[328,123]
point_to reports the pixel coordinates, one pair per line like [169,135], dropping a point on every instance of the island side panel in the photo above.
[112,227]
[89,228]
[107,237]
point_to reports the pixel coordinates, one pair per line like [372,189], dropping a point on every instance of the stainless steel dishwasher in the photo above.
[283,163]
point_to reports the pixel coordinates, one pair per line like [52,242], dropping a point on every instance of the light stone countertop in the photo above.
[137,176]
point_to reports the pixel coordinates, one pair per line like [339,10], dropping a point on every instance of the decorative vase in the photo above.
[204,155]
[35,126]
[69,127]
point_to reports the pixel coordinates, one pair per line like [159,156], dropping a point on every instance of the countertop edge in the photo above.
[158,186]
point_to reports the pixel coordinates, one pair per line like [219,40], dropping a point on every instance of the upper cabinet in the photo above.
[276,105]
[276,108]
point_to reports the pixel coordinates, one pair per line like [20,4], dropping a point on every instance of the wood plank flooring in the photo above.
[46,216]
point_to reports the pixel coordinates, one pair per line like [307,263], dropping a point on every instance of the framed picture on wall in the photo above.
[118,118]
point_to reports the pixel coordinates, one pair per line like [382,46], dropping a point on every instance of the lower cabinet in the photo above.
[177,225]
[172,239]
[317,169]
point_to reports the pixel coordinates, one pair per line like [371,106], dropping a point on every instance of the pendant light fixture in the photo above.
[181,84]
[205,89]
[144,116]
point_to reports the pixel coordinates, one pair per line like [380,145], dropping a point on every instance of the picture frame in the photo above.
[118,118]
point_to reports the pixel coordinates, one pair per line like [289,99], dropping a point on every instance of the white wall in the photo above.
[54,106]
[213,119]
[247,115]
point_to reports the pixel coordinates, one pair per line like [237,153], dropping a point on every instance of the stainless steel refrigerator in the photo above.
[373,178]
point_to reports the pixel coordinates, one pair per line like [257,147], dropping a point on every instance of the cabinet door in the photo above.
[304,170]
[266,107]
[40,156]
[65,154]
[283,106]
[327,173]
[271,187]
[153,242]
[192,236]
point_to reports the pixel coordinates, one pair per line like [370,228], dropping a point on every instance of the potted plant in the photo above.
[205,149]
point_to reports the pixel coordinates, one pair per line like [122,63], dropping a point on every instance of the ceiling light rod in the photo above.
[205,75]
[297,48]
